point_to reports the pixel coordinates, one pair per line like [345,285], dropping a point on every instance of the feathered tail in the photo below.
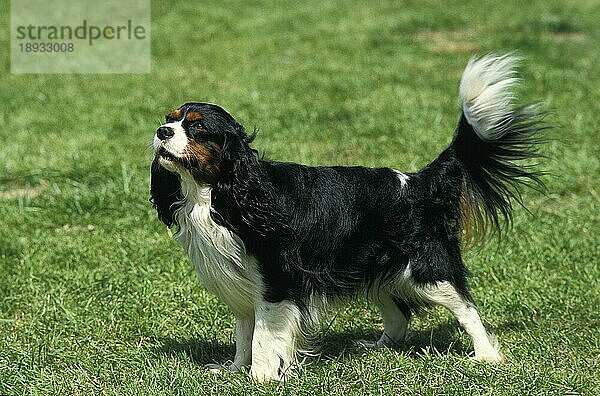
[492,139]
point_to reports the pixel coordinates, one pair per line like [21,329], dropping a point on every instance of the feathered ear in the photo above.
[247,201]
[253,196]
[165,193]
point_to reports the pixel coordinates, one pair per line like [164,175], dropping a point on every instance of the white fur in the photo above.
[442,293]
[402,176]
[486,94]
[222,265]
[244,330]
[218,255]
[175,145]
[276,333]
[394,322]
[445,294]
[403,286]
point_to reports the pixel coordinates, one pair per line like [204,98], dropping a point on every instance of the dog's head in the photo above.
[199,140]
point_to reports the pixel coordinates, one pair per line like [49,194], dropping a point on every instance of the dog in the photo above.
[277,241]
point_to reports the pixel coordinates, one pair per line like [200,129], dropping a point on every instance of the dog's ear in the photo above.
[247,198]
[165,193]
[253,195]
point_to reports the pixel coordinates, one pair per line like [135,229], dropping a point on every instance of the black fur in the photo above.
[165,193]
[491,171]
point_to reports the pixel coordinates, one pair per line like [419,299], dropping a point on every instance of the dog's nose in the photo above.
[164,133]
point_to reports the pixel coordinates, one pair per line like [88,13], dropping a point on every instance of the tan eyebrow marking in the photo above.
[175,114]
[193,116]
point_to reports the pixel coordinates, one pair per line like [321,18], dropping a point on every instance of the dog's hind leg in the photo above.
[445,294]
[396,315]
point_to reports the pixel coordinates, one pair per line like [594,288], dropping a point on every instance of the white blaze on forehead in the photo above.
[175,145]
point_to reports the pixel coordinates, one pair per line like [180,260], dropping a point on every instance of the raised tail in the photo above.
[492,140]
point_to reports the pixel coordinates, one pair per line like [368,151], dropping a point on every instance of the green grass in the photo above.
[117,309]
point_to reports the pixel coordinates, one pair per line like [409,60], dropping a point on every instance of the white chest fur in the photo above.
[218,255]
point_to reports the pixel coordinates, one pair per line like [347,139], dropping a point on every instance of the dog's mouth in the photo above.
[165,154]
[172,162]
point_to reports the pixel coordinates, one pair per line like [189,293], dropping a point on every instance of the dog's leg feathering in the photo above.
[276,332]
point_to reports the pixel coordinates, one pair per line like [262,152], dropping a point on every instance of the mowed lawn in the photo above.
[95,296]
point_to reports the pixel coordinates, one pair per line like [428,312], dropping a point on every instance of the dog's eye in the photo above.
[196,126]
[198,131]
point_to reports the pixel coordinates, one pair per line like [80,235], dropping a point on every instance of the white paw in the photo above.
[491,356]
[264,375]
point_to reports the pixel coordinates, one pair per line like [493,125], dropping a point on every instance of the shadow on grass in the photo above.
[444,338]
[198,350]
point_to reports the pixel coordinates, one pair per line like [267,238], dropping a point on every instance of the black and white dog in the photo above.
[278,241]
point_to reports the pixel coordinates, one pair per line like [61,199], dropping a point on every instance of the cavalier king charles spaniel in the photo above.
[278,241]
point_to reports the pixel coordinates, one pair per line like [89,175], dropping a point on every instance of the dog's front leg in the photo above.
[244,327]
[276,331]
